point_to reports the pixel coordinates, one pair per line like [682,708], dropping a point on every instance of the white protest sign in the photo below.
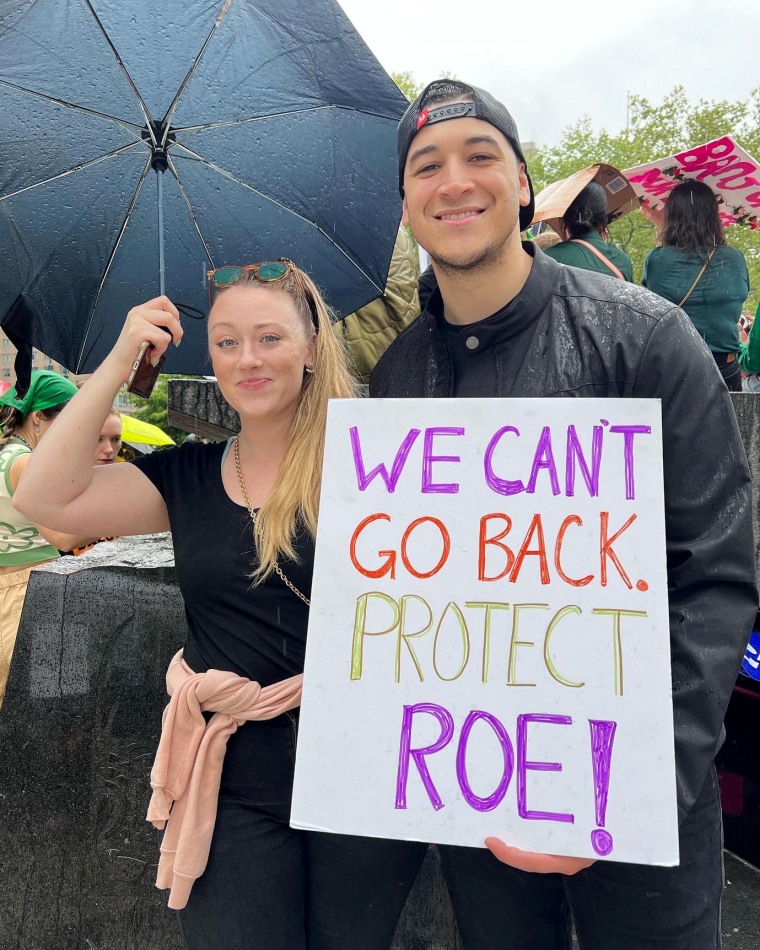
[722,164]
[488,649]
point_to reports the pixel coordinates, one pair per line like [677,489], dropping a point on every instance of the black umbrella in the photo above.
[144,142]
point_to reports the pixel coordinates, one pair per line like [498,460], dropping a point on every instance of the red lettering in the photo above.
[445,538]
[704,154]
[743,173]
[537,528]
[389,567]
[581,582]
[483,541]
[605,548]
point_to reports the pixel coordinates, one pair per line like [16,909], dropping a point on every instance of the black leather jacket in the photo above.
[596,336]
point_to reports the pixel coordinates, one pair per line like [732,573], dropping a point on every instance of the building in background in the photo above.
[40,361]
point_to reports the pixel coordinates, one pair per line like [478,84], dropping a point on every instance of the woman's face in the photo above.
[109,441]
[259,349]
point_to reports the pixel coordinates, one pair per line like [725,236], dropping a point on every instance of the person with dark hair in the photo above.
[508,321]
[584,237]
[694,268]
[24,545]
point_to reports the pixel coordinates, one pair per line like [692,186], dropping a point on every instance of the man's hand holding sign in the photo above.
[489,637]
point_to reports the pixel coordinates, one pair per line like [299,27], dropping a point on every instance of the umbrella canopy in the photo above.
[142,433]
[732,174]
[147,142]
[555,199]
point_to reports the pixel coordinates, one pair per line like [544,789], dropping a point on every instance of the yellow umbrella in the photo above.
[142,433]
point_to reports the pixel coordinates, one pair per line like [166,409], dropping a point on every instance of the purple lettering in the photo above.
[502,486]
[491,801]
[544,458]
[363,479]
[628,433]
[405,751]
[602,737]
[575,454]
[428,485]
[523,765]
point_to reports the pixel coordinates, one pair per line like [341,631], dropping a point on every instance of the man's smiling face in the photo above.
[463,188]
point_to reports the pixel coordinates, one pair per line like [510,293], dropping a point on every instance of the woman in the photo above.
[695,269]
[109,440]
[106,451]
[24,545]
[243,516]
[584,237]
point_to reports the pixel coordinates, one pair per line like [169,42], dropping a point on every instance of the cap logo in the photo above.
[422,119]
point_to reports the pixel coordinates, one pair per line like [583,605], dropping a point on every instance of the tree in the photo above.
[155,409]
[407,84]
[655,130]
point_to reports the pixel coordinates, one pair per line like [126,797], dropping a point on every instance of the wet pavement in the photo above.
[741,900]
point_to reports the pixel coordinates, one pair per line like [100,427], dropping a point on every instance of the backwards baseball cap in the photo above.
[458,100]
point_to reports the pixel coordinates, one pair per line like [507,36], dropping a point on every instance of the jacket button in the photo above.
[472,343]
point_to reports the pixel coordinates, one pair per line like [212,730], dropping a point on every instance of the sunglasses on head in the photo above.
[267,272]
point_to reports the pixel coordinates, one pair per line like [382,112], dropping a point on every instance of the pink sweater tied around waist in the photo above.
[187,771]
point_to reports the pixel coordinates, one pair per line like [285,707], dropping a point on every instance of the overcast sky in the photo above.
[552,61]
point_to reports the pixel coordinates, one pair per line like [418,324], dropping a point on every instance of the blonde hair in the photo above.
[295,496]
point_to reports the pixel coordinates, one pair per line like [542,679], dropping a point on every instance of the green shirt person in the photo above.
[585,243]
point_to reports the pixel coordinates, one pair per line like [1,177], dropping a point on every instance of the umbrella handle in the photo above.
[161,267]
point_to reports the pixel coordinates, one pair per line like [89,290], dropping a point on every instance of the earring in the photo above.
[309,369]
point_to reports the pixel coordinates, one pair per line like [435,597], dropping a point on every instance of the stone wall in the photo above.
[78,730]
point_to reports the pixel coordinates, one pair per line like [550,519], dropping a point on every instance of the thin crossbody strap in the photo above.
[602,258]
[697,278]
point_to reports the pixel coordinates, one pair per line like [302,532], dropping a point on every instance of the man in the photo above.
[506,320]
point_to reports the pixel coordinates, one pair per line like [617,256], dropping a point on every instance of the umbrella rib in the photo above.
[193,66]
[128,126]
[252,118]
[133,87]
[109,262]
[274,115]
[190,209]
[70,171]
[274,201]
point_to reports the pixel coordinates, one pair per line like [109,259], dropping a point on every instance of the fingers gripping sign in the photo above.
[534,861]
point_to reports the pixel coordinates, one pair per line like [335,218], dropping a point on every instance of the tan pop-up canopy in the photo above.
[555,199]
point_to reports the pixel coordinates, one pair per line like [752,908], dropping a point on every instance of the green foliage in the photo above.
[656,130]
[155,409]
[406,83]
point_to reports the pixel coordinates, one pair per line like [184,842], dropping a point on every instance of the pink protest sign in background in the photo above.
[732,174]
[488,648]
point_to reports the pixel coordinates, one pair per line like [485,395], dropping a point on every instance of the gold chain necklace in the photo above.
[278,570]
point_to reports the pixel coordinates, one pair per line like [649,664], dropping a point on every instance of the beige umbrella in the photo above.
[555,199]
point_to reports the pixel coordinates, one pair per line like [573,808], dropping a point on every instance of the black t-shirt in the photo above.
[258,632]
[470,347]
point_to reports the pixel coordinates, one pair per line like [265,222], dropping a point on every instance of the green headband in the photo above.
[46,390]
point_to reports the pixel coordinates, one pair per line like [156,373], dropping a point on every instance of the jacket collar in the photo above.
[512,319]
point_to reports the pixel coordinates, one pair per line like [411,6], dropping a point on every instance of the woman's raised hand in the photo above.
[147,323]
[655,216]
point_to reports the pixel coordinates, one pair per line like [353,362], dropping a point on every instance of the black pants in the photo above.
[615,906]
[729,370]
[270,887]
